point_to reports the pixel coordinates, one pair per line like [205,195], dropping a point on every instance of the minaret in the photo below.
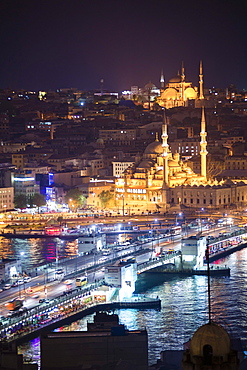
[203,145]
[182,82]
[165,147]
[201,96]
[162,80]
[101,86]
[182,72]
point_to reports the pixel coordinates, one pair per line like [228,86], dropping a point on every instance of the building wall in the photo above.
[236,163]
[6,175]
[92,190]
[24,183]
[120,167]
[85,350]
[207,196]
[185,147]
[6,199]
[121,136]
[19,160]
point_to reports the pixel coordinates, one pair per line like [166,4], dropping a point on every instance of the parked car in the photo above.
[35,295]
[7,286]
[44,300]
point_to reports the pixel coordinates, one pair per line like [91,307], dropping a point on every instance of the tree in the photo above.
[60,220]
[20,201]
[214,167]
[38,200]
[105,197]
[74,198]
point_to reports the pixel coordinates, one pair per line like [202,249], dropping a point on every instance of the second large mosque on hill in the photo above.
[178,91]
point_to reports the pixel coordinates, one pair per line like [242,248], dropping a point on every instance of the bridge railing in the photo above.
[227,236]
[43,308]
[158,261]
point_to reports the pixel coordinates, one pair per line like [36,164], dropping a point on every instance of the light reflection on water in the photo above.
[184,307]
[37,251]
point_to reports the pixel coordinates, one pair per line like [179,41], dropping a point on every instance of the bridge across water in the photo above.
[65,309]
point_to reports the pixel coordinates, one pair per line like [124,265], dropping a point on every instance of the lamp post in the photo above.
[123,204]
[200,218]
[19,285]
[45,282]
[21,255]
[180,214]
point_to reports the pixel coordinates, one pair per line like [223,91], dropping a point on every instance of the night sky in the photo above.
[50,44]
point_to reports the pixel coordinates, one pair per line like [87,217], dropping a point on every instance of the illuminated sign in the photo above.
[24,179]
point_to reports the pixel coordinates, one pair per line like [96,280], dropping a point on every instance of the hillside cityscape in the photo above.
[110,146]
[75,164]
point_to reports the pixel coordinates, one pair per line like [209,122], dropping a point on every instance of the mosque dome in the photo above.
[160,172]
[150,86]
[190,93]
[175,79]
[154,148]
[181,174]
[210,337]
[145,164]
[173,163]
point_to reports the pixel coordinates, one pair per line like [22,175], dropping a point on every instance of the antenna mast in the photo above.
[209,299]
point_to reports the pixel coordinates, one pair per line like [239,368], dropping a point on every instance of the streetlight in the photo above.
[21,255]
[179,215]
[200,218]
[19,284]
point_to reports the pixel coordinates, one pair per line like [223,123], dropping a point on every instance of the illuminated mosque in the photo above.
[160,179]
[149,180]
[178,91]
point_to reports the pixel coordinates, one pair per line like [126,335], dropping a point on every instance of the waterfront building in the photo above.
[112,347]
[6,199]
[193,251]
[25,183]
[91,242]
[9,268]
[218,195]
[122,275]
[92,189]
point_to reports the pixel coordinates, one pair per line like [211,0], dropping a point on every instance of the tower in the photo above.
[101,86]
[203,145]
[201,96]
[183,83]
[182,72]
[162,80]
[165,147]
